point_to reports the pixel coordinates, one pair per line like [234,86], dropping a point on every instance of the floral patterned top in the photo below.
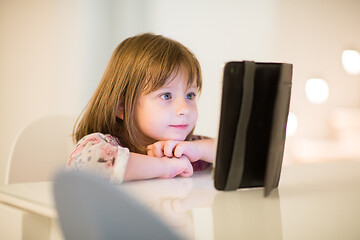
[103,155]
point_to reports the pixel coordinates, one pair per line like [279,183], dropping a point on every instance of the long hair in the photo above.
[138,65]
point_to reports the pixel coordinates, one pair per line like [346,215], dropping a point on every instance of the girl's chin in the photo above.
[174,138]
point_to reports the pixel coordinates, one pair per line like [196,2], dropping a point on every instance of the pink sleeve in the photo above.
[102,155]
[200,165]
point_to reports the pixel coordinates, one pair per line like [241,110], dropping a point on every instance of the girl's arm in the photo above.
[141,166]
[195,150]
[102,155]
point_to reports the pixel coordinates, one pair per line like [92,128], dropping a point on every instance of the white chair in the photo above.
[40,149]
[91,208]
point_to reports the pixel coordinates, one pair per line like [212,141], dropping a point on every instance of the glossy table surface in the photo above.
[313,201]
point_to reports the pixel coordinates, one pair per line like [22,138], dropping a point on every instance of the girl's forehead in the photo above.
[176,82]
[181,75]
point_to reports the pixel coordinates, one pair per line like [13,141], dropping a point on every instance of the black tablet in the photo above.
[254,110]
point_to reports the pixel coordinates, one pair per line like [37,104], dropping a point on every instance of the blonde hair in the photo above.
[139,64]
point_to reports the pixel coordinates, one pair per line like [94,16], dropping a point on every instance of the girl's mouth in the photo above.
[179,126]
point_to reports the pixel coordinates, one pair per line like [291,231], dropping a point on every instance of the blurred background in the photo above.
[53,54]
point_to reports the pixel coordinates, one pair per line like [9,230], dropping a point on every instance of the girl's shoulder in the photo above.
[101,154]
[97,137]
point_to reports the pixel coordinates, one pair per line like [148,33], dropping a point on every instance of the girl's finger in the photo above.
[150,153]
[149,150]
[187,172]
[157,149]
[179,150]
[169,148]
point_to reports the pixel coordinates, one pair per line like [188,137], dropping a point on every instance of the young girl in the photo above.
[139,123]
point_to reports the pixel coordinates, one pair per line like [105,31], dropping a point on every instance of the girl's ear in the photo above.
[120,111]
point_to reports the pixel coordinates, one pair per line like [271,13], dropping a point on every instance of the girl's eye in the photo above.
[190,96]
[166,96]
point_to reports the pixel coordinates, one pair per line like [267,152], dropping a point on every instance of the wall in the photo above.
[38,63]
[312,36]
[52,56]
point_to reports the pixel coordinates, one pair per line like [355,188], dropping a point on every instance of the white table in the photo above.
[314,201]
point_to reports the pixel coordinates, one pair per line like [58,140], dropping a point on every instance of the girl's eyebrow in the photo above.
[161,90]
[170,86]
[164,88]
[193,86]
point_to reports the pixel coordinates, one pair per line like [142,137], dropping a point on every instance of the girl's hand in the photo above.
[171,148]
[177,166]
[140,166]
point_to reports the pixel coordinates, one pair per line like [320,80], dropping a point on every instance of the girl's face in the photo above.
[168,113]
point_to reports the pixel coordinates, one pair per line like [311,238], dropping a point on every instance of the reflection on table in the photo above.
[313,201]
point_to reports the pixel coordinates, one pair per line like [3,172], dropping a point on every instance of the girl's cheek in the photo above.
[195,111]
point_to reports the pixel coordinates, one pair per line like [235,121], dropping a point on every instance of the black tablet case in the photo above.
[254,110]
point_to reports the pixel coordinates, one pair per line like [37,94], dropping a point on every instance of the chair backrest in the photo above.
[40,149]
[90,208]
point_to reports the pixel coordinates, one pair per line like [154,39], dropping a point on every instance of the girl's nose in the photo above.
[181,108]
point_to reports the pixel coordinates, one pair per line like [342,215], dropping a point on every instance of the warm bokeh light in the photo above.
[292,124]
[317,90]
[351,61]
